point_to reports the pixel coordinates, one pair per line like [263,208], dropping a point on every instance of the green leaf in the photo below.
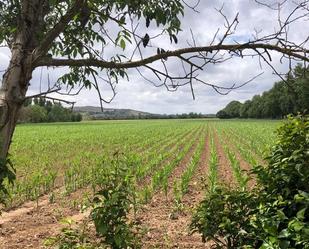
[281,215]
[296,225]
[284,244]
[122,44]
[301,214]
[284,233]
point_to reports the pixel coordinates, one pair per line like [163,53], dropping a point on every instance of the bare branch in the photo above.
[60,100]
[193,6]
[42,94]
[292,52]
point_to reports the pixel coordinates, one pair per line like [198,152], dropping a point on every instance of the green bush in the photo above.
[224,217]
[276,213]
[111,207]
[113,203]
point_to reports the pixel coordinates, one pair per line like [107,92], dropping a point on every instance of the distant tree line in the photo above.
[39,110]
[286,97]
[123,116]
[190,115]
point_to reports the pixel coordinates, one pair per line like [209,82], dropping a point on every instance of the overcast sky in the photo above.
[141,95]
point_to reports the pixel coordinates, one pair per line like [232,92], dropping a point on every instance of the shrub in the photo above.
[112,205]
[7,176]
[224,217]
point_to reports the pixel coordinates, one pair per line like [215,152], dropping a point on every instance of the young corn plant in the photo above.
[144,195]
[187,175]
[177,192]
[241,178]
[239,174]
[163,174]
[213,167]
[162,155]
[247,155]
[160,177]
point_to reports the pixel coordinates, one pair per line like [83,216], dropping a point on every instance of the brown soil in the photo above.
[165,225]
[224,168]
[29,225]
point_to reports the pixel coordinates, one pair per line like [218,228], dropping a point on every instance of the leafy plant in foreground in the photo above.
[283,212]
[224,217]
[112,205]
[7,171]
[71,238]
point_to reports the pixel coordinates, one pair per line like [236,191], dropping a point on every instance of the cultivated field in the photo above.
[173,161]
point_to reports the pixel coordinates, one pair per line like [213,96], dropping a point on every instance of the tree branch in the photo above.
[296,53]
[42,94]
[60,100]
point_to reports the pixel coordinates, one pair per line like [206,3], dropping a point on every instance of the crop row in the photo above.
[78,170]
[71,155]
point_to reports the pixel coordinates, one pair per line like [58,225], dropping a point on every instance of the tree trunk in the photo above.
[19,72]
[12,93]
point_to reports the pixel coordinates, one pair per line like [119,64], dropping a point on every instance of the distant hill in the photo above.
[94,112]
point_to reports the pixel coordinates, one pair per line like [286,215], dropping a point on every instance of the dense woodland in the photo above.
[285,97]
[41,110]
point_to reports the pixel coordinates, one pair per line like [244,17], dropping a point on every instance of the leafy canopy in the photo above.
[83,28]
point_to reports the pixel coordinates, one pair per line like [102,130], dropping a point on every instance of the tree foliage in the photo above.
[286,97]
[78,26]
[231,110]
[43,110]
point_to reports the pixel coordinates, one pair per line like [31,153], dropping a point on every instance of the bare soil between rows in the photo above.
[166,226]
